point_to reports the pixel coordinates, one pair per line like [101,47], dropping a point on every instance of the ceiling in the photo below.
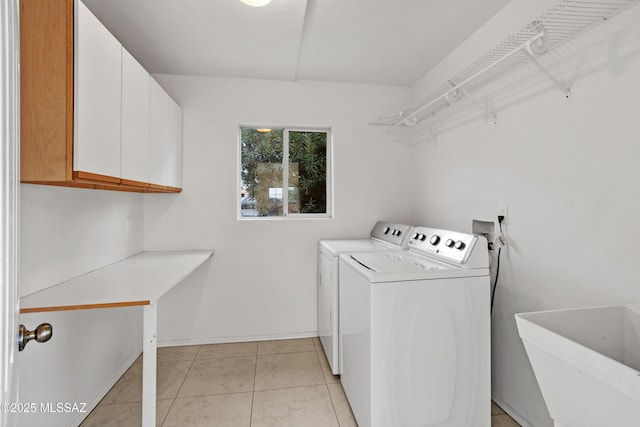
[392,42]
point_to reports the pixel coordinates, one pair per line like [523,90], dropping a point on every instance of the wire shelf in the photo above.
[557,25]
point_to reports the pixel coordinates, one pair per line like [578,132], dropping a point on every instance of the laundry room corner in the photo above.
[565,169]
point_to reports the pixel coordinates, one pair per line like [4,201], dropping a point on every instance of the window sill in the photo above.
[289,217]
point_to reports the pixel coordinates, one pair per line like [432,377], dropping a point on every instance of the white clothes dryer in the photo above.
[416,332]
[385,236]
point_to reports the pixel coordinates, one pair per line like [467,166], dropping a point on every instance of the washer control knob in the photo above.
[423,237]
[415,236]
[386,230]
[449,243]
[459,245]
[435,239]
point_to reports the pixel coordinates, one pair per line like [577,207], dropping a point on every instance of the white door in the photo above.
[134,143]
[158,133]
[174,146]
[9,215]
[98,96]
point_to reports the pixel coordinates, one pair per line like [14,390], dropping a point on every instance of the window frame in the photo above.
[285,173]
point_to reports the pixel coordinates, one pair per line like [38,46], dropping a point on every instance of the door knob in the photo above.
[41,334]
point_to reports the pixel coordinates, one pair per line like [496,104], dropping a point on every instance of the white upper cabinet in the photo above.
[165,138]
[97,101]
[127,130]
[135,120]
[158,133]
[174,145]
[92,115]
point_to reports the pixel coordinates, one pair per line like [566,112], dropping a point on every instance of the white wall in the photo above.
[568,171]
[66,232]
[510,19]
[261,282]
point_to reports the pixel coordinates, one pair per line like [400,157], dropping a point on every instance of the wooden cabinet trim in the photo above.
[132,183]
[88,176]
[106,186]
[70,90]
[120,188]
[157,187]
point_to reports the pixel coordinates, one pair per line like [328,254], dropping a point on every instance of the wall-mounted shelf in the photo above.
[563,21]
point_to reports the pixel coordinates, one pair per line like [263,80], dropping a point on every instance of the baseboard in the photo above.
[232,339]
[109,385]
[511,412]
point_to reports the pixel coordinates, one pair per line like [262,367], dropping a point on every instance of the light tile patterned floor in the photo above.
[268,383]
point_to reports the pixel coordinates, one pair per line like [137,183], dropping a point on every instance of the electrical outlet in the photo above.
[503,211]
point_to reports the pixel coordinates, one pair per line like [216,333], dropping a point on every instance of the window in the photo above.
[285,172]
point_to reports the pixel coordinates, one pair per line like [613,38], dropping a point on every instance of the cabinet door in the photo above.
[158,131]
[174,145]
[135,120]
[97,104]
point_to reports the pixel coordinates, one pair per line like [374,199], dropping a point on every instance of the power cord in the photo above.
[495,283]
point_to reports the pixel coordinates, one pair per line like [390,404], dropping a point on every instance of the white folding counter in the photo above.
[139,280]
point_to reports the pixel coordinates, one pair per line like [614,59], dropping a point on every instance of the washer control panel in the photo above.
[448,245]
[389,232]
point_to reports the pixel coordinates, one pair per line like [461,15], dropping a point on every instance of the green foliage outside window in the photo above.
[262,171]
[308,150]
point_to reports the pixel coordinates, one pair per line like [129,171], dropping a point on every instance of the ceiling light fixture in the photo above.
[256,3]
[263,130]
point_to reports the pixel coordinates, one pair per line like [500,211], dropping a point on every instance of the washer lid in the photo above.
[405,265]
[337,247]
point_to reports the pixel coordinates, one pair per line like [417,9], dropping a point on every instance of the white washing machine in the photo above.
[385,236]
[416,332]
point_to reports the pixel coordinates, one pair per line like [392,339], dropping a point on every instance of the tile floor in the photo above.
[268,383]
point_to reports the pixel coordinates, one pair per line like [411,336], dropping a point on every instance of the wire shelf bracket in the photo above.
[537,47]
[427,135]
[562,22]
[489,112]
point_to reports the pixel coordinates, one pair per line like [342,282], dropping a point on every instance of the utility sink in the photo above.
[587,363]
